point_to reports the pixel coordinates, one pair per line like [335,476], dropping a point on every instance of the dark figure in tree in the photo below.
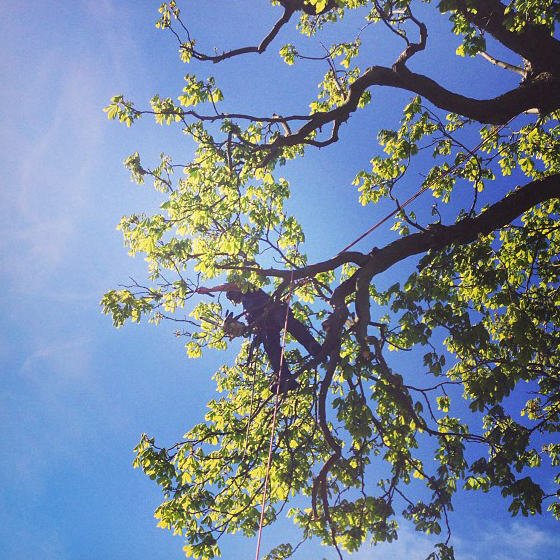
[268,319]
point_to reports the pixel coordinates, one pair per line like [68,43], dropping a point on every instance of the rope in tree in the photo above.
[472,153]
[250,363]
[276,405]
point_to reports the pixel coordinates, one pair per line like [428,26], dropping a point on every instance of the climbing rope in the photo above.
[472,153]
[250,363]
[276,405]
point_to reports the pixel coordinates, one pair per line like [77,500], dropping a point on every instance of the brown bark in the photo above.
[542,93]
[534,43]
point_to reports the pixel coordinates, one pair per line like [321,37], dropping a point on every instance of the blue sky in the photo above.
[75,394]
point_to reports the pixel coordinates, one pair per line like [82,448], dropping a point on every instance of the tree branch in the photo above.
[542,93]
[464,232]
[286,16]
[320,483]
[412,48]
[290,7]
[504,65]
[534,43]
[436,238]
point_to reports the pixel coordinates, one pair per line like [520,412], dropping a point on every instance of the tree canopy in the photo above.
[477,314]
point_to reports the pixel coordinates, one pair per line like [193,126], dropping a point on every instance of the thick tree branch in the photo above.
[320,484]
[543,93]
[464,232]
[434,238]
[534,43]
[412,48]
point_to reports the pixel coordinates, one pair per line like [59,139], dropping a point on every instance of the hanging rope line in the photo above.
[250,363]
[276,405]
[472,153]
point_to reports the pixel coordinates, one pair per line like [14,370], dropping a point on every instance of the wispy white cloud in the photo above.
[511,539]
[33,541]
[47,195]
[410,545]
[63,359]
[498,541]
[44,408]
[122,49]
[52,139]
[52,150]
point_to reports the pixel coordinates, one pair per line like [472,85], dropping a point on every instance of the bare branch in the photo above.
[286,16]
[412,48]
[290,7]
[504,65]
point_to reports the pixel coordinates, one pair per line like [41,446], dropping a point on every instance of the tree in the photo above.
[479,311]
